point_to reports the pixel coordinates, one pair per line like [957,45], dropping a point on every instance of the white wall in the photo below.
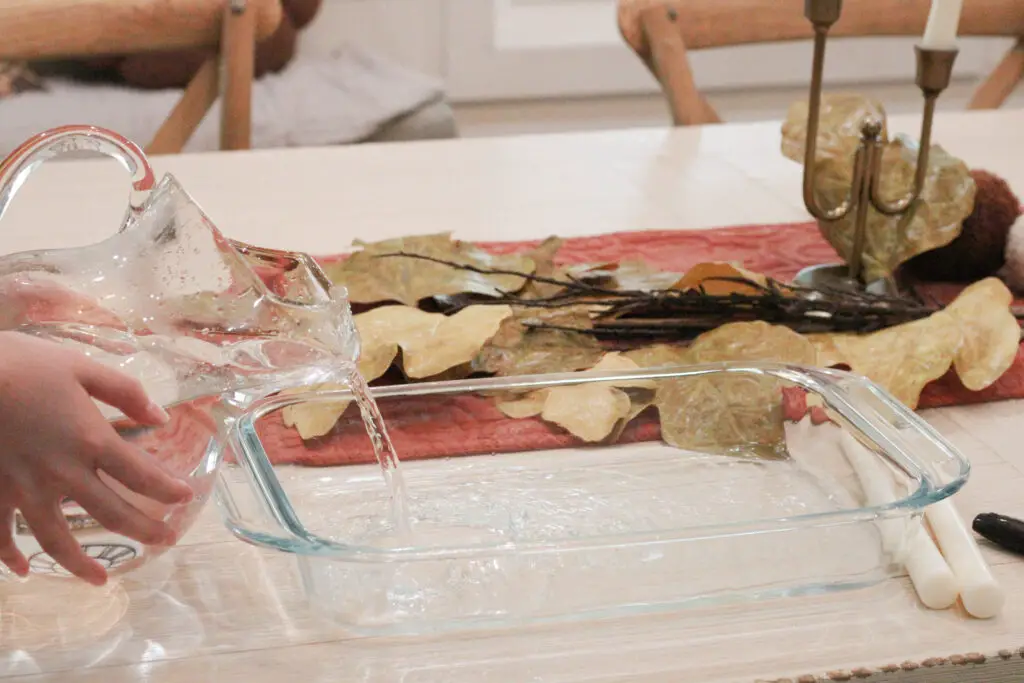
[409,31]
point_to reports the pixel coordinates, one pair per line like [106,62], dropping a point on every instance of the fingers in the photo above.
[120,391]
[115,514]
[52,533]
[109,509]
[9,553]
[116,456]
[137,471]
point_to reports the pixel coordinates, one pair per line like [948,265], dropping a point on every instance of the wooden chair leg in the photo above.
[186,116]
[1000,84]
[238,55]
[672,69]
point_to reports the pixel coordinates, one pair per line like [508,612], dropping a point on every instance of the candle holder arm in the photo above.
[821,27]
[900,206]
[810,194]
[934,72]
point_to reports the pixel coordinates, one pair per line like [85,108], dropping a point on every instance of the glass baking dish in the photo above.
[570,530]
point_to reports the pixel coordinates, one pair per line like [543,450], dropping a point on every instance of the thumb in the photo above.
[120,391]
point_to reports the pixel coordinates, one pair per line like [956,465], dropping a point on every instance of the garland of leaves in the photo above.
[429,307]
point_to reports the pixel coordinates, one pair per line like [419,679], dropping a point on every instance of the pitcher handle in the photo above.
[15,169]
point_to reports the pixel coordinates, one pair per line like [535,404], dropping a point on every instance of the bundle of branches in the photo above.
[691,305]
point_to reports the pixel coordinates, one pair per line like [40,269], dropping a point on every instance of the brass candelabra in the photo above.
[934,70]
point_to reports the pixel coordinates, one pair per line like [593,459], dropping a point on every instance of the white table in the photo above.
[230,612]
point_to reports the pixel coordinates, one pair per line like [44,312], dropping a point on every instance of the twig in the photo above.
[497,271]
[677,313]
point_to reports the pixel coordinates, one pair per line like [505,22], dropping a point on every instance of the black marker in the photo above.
[1006,532]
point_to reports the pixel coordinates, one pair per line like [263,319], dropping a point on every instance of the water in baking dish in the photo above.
[568,531]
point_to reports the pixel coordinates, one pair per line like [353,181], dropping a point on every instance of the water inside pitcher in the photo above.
[207,324]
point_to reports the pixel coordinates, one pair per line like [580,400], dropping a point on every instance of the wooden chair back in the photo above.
[61,29]
[662,32]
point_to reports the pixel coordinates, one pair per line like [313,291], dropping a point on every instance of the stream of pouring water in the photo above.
[383,449]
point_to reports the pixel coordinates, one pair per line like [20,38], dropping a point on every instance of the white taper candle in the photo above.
[943,23]
[931,576]
[929,572]
[981,595]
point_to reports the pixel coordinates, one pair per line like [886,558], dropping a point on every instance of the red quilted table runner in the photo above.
[467,425]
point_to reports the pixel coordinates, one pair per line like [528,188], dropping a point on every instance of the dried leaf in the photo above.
[703,276]
[977,333]
[739,414]
[726,413]
[431,343]
[828,355]
[732,413]
[752,341]
[371,277]
[991,333]
[640,400]
[316,419]
[905,358]
[660,355]
[529,405]
[519,350]
[591,412]
[543,257]
[619,362]
[641,392]
[842,115]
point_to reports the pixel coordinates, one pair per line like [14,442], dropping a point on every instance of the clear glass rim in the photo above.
[296,538]
[169,183]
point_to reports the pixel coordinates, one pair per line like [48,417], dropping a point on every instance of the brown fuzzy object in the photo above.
[979,250]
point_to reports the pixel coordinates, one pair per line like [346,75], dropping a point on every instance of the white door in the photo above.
[513,49]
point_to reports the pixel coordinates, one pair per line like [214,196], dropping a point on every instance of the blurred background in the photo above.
[513,66]
[348,71]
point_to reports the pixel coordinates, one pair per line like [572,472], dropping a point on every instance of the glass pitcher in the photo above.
[207,324]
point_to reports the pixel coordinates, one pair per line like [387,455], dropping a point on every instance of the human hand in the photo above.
[53,442]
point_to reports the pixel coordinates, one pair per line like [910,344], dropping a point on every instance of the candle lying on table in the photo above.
[877,489]
[943,22]
[929,573]
[981,595]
